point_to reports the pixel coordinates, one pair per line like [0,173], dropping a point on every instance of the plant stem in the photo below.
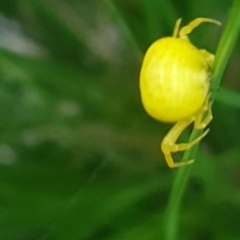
[225,47]
[124,28]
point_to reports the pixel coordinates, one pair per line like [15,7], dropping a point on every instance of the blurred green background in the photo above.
[79,157]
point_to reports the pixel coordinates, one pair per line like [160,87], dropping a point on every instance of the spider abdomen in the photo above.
[174,79]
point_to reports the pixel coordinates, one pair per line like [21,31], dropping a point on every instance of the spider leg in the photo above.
[184,31]
[176,28]
[169,145]
[208,56]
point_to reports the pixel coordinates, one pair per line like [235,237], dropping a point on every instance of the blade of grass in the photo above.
[124,28]
[158,14]
[225,47]
[228,97]
[167,11]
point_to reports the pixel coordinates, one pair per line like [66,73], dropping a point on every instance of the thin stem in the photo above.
[124,28]
[225,47]
[158,13]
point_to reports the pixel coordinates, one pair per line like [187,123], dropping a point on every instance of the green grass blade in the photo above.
[124,28]
[228,97]
[225,47]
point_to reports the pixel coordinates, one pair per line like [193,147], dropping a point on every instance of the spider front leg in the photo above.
[184,31]
[169,145]
[176,28]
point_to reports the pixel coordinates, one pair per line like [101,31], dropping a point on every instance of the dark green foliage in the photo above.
[79,157]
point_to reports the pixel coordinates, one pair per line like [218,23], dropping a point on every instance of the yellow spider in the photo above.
[174,85]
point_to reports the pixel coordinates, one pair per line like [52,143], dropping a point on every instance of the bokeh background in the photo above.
[79,157]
